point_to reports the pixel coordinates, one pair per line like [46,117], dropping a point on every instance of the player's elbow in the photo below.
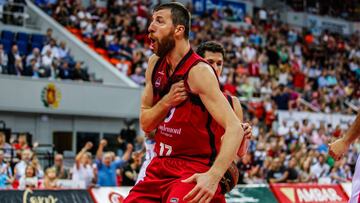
[145,125]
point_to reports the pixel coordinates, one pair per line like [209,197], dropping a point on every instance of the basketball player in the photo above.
[181,99]
[338,148]
[214,54]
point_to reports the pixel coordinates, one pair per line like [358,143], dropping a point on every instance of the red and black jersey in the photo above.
[189,131]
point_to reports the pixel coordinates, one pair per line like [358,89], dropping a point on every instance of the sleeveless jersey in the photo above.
[188,130]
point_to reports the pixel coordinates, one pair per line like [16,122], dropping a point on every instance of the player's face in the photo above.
[216,60]
[161,32]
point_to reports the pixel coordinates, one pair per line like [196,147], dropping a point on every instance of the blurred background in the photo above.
[72,72]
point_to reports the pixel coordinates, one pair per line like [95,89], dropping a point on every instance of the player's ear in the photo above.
[179,30]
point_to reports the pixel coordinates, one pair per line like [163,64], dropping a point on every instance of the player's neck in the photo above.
[179,51]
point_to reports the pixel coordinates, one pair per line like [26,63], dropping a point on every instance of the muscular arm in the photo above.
[340,146]
[354,131]
[202,81]
[237,108]
[151,115]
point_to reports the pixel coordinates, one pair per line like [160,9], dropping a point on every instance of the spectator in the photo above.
[51,179]
[5,172]
[63,50]
[47,59]
[54,54]
[20,168]
[131,171]
[61,171]
[22,143]
[320,169]
[106,166]
[65,72]
[277,173]
[28,180]
[79,73]
[34,55]
[82,170]
[4,146]
[13,57]
[293,175]
[3,60]
[138,76]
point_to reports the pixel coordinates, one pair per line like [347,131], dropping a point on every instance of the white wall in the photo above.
[25,95]
[42,129]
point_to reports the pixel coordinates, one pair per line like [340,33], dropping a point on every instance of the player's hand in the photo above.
[338,148]
[206,186]
[247,130]
[103,143]
[176,95]
[88,145]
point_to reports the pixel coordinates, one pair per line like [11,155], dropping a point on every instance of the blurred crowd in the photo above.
[48,59]
[21,168]
[279,66]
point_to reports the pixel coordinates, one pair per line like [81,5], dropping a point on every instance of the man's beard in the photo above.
[166,45]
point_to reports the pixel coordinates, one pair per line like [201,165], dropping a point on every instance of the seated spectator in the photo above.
[106,166]
[3,60]
[63,50]
[320,169]
[114,47]
[36,163]
[277,173]
[53,48]
[138,77]
[83,170]
[47,59]
[65,72]
[293,175]
[32,70]
[34,55]
[4,146]
[51,180]
[61,171]
[79,73]
[28,180]
[20,167]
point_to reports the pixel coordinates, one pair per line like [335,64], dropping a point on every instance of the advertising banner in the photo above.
[110,194]
[309,193]
[315,118]
[48,196]
[347,187]
[250,194]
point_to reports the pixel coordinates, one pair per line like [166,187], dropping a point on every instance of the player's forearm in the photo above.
[150,118]
[353,132]
[229,146]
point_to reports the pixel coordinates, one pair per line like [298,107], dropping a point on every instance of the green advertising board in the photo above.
[251,194]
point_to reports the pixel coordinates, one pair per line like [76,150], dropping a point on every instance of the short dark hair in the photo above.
[210,46]
[180,15]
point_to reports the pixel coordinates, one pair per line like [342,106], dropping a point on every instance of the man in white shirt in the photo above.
[320,169]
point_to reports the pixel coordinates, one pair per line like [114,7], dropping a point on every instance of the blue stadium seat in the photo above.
[7,35]
[22,36]
[36,45]
[7,45]
[23,47]
[38,39]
